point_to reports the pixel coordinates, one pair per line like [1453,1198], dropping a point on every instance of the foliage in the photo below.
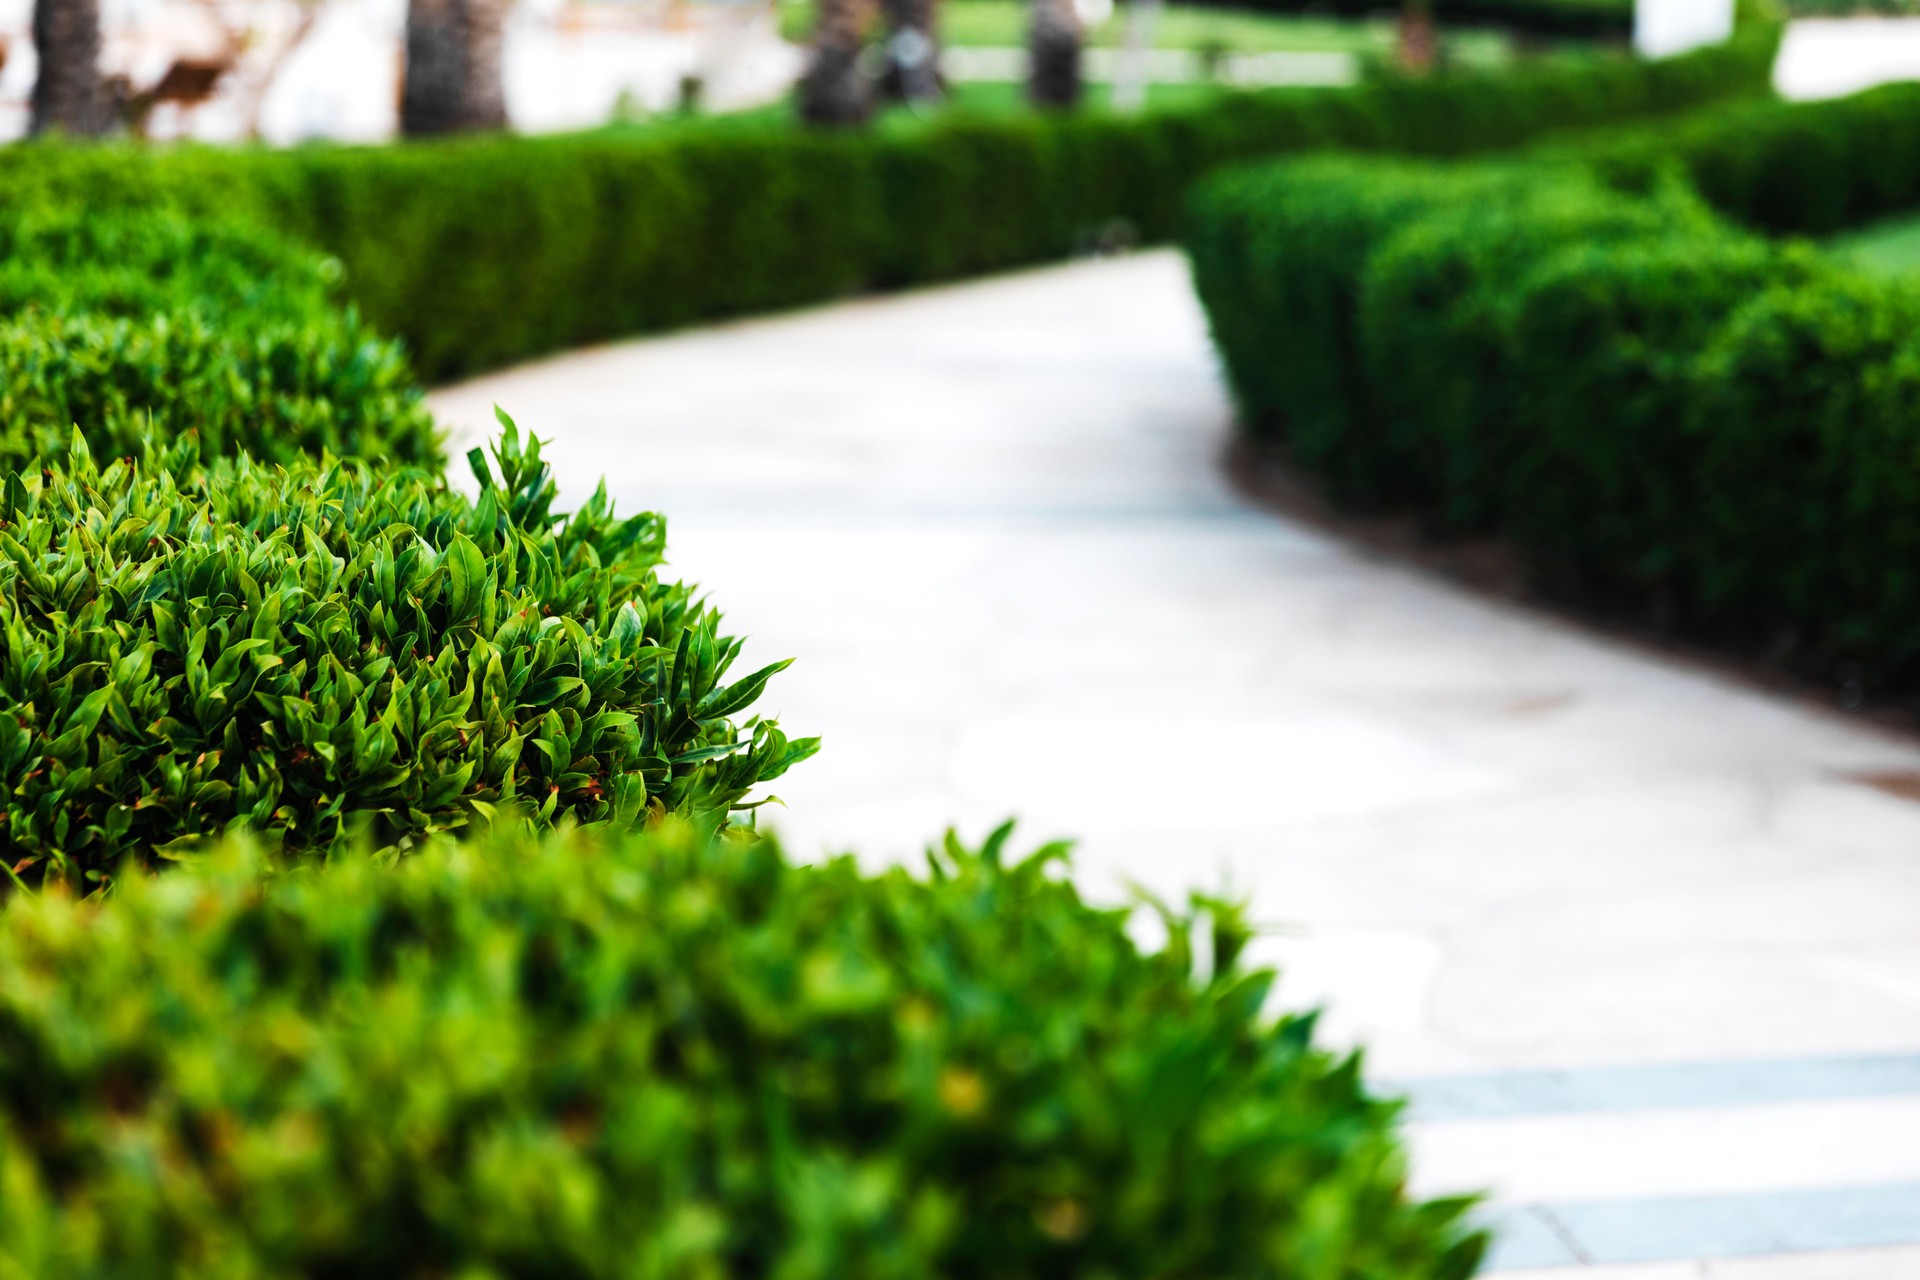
[657,1055]
[1660,408]
[329,651]
[150,321]
[1281,250]
[280,392]
[1435,307]
[481,251]
[142,264]
[1781,167]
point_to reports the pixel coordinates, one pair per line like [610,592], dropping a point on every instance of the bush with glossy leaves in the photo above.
[663,1055]
[329,652]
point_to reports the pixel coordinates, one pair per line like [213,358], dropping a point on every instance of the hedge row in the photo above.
[1655,405]
[329,653]
[148,321]
[68,261]
[483,251]
[1806,168]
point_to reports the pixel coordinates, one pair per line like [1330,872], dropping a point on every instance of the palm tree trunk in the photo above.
[453,81]
[67,95]
[485,103]
[913,51]
[1053,54]
[833,90]
[1419,42]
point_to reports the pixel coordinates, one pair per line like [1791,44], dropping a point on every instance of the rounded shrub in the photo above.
[1278,253]
[140,264]
[129,322]
[1603,346]
[1431,301]
[1809,470]
[663,1055]
[279,392]
[329,651]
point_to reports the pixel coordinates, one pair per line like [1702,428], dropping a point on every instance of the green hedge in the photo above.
[328,653]
[280,392]
[1661,409]
[1806,168]
[482,251]
[663,1056]
[147,321]
[150,262]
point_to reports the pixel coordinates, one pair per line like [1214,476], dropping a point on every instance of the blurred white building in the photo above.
[306,69]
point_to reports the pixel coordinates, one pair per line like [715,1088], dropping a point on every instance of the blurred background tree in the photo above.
[1054,37]
[453,81]
[834,89]
[1419,42]
[67,94]
[912,70]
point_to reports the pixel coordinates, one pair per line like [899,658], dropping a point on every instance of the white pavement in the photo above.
[1640,943]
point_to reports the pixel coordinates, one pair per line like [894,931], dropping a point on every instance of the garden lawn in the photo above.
[1003,24]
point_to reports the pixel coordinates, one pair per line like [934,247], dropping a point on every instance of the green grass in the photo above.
[999,97]
[1891,247]
[970,97]
[1003,24]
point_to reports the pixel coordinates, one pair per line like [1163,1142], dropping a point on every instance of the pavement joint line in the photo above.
[1685,1228]
[1559,1229]
[1676,1086]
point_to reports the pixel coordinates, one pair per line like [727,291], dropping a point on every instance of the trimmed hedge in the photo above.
[142,264]
[1657,406]
[1806,168]
[482,251]
[327,653]
[279,392]
[151,322]
[666,1056]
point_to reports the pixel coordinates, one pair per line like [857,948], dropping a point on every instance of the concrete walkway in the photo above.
[1640,941]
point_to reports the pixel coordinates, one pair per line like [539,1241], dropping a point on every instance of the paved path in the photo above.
[1642,946]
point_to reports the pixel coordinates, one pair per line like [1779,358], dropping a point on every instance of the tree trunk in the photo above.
[453,79]
[833,90]
[1419,42]
[67,95]
[913,51]
[1053,54]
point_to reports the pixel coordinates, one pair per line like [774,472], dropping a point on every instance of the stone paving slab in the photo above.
[991,523]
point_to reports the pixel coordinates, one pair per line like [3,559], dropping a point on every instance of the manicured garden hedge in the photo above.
[329,653]
[663,1055]
[483,251]
[1807,167]
[1657,406]
[280,392]
[147,321]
